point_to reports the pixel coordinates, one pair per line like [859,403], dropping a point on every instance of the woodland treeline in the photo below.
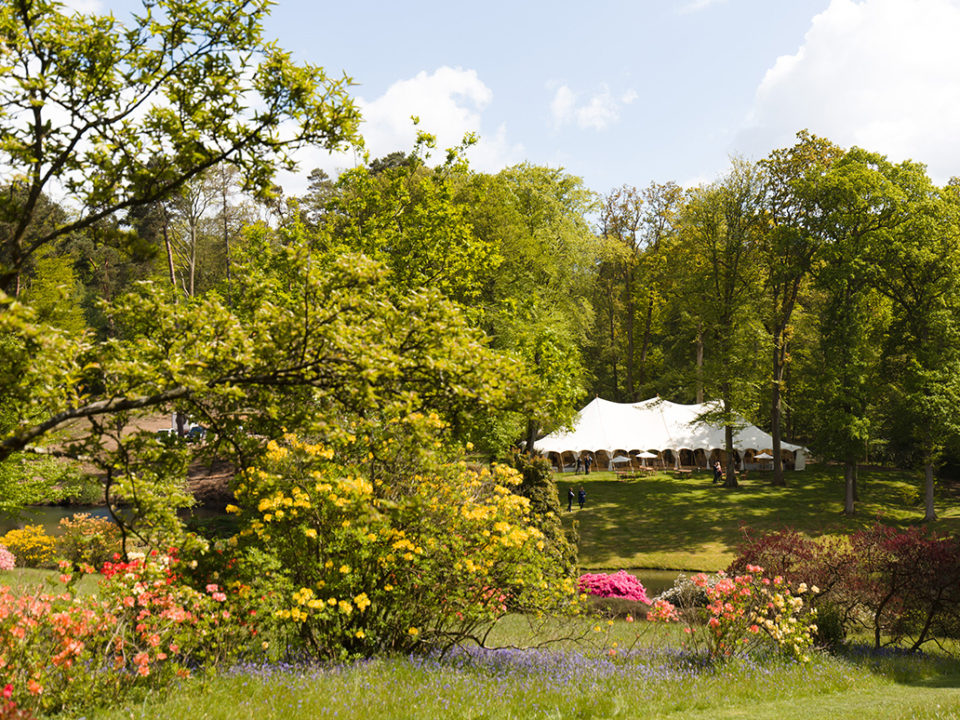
[813,292]
[149,262]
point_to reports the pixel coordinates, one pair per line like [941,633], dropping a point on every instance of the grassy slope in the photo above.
[689,524]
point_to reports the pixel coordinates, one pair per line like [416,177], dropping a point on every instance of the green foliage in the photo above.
[179,89]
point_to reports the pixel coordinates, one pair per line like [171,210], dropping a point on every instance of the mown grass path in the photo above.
[662,521]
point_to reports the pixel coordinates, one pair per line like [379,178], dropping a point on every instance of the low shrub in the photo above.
[143,629]
[620,584]
[901,585]
[744,613]
[31,545]
[87,540]
[7,559]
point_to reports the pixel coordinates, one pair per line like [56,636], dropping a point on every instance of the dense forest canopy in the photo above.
[149,263]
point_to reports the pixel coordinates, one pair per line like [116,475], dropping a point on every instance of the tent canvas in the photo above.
[653,424]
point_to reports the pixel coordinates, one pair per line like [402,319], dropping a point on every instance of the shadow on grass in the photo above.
[664,515]
[917,669]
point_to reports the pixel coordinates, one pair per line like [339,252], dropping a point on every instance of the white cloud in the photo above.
[597,113]
[697,5]
[449,103]
[881,74]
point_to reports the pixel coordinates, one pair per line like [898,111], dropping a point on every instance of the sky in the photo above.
[625,92]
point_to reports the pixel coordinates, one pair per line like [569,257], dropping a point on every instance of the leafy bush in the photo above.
[31,544]
[426,559]
[7,559]
[87,540]
[903,586]
[620,584]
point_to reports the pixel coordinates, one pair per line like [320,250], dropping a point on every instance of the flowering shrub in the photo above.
[620,584]
[7,559]
[744,612]
[86,539]
[31,544]
[142,629]
[363,565]
[9,709]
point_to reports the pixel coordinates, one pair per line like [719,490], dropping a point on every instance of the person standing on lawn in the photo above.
[581,496]
[570,499]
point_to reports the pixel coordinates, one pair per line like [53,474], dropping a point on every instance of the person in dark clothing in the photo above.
[717,472]
[579,464]
[581,496]
[570,499]
[587,462]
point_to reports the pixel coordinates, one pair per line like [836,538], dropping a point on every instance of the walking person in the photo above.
[587,462]
[579,464]
[570,499]
[581,496]
[717,473]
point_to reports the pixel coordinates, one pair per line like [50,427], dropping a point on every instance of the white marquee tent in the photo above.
[655,425]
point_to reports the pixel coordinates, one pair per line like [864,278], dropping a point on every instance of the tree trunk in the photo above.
[614,371]
[699,363]
[849,482]
[775,433]
[628,295]
[929,512]
[645,344]
[226,229]
[531,436]
[169,247]
[731,480]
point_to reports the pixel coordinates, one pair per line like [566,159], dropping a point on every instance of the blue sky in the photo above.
[634,92]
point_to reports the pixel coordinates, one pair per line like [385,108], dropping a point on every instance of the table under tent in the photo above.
[658,434]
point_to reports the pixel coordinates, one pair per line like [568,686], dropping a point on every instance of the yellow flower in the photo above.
[310,533]
[345,569]
[361,634]
[413,631]
[362,601]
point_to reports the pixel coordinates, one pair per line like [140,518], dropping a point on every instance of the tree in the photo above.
[916,269]
[537,303]
[720,228]
[788,251]
[121,116]
[857,206]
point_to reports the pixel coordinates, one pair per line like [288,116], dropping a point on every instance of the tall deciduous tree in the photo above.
[917,270]
[118,116]
[720,234]
[858,204]
[787,253]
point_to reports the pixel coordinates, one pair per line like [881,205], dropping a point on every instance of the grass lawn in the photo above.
[569,680]
[689,524]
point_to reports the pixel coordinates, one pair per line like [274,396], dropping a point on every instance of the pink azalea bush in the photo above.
[620,584]
[7,560]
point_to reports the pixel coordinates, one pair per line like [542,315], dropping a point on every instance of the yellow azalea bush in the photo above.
[31,545]
[431,558]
